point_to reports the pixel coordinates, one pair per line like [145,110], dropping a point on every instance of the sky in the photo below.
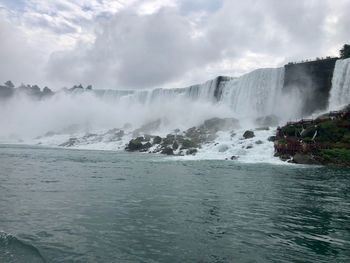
[137,44]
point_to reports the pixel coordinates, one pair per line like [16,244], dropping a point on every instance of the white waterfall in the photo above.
[202,92]
[340,92]
[249,96]
[254,94]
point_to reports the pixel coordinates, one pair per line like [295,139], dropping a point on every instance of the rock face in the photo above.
[135,145]
[248,134]
[180,143]
[313,80]
[325,140]
[300,158]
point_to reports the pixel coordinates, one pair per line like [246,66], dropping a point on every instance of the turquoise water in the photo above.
[91,206]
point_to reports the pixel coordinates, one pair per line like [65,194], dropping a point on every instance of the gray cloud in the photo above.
[191,41]
[138,51]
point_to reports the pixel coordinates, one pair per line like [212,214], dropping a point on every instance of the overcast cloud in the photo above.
[161,43]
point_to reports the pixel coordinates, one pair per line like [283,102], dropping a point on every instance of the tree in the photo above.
[345,52]
[9,84]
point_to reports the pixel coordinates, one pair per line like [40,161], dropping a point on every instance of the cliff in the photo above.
[313,80]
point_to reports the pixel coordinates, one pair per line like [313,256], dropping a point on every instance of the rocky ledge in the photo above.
[182,143]
[321,141]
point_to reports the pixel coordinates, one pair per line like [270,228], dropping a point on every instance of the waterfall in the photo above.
[254,94]
[340,92]
[209,92]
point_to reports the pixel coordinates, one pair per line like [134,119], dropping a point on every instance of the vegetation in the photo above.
[336,156]
[8,89]
[325,140]
[345,52]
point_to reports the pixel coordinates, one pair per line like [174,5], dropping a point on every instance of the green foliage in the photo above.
[290,130]
[346,138]
[345,52]
[328,131]
[336,155]
[282,141]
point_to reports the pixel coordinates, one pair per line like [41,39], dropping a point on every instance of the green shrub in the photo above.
[336,155]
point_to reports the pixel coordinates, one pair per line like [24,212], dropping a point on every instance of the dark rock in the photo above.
[134,145]
[248,134]
[147,145]
[304,159]
[191,151]
[169,139]
[234,158]
[272,138]
[175,145]
[157,140]
[69,143]
[313,80]
[249,147]
[167,151]
[186,144]
[258,142]
[284,157]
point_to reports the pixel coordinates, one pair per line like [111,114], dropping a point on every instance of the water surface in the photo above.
[62,205]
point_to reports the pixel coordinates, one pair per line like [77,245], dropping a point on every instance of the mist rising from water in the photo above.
[256,94]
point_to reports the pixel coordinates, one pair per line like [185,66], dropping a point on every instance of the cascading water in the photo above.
[340,92]
[254,94]
[208,92]
[89,117]
[250,96]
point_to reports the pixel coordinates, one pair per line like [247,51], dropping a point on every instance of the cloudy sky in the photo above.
[161,43]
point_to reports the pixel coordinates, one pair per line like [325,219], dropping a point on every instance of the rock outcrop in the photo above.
[324,140]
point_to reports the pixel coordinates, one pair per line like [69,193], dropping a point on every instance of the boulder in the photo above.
[234,158]
[248,134]
[304,159]
[167,151]
[258,142]
[169,139]
[157,140]
[134,145]
[272,138]
[186,144]
[191,151]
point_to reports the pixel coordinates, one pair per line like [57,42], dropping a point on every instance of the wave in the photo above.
[13,250]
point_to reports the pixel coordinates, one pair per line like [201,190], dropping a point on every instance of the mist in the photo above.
[254,95]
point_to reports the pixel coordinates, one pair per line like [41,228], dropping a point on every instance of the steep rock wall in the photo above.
[313,80]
